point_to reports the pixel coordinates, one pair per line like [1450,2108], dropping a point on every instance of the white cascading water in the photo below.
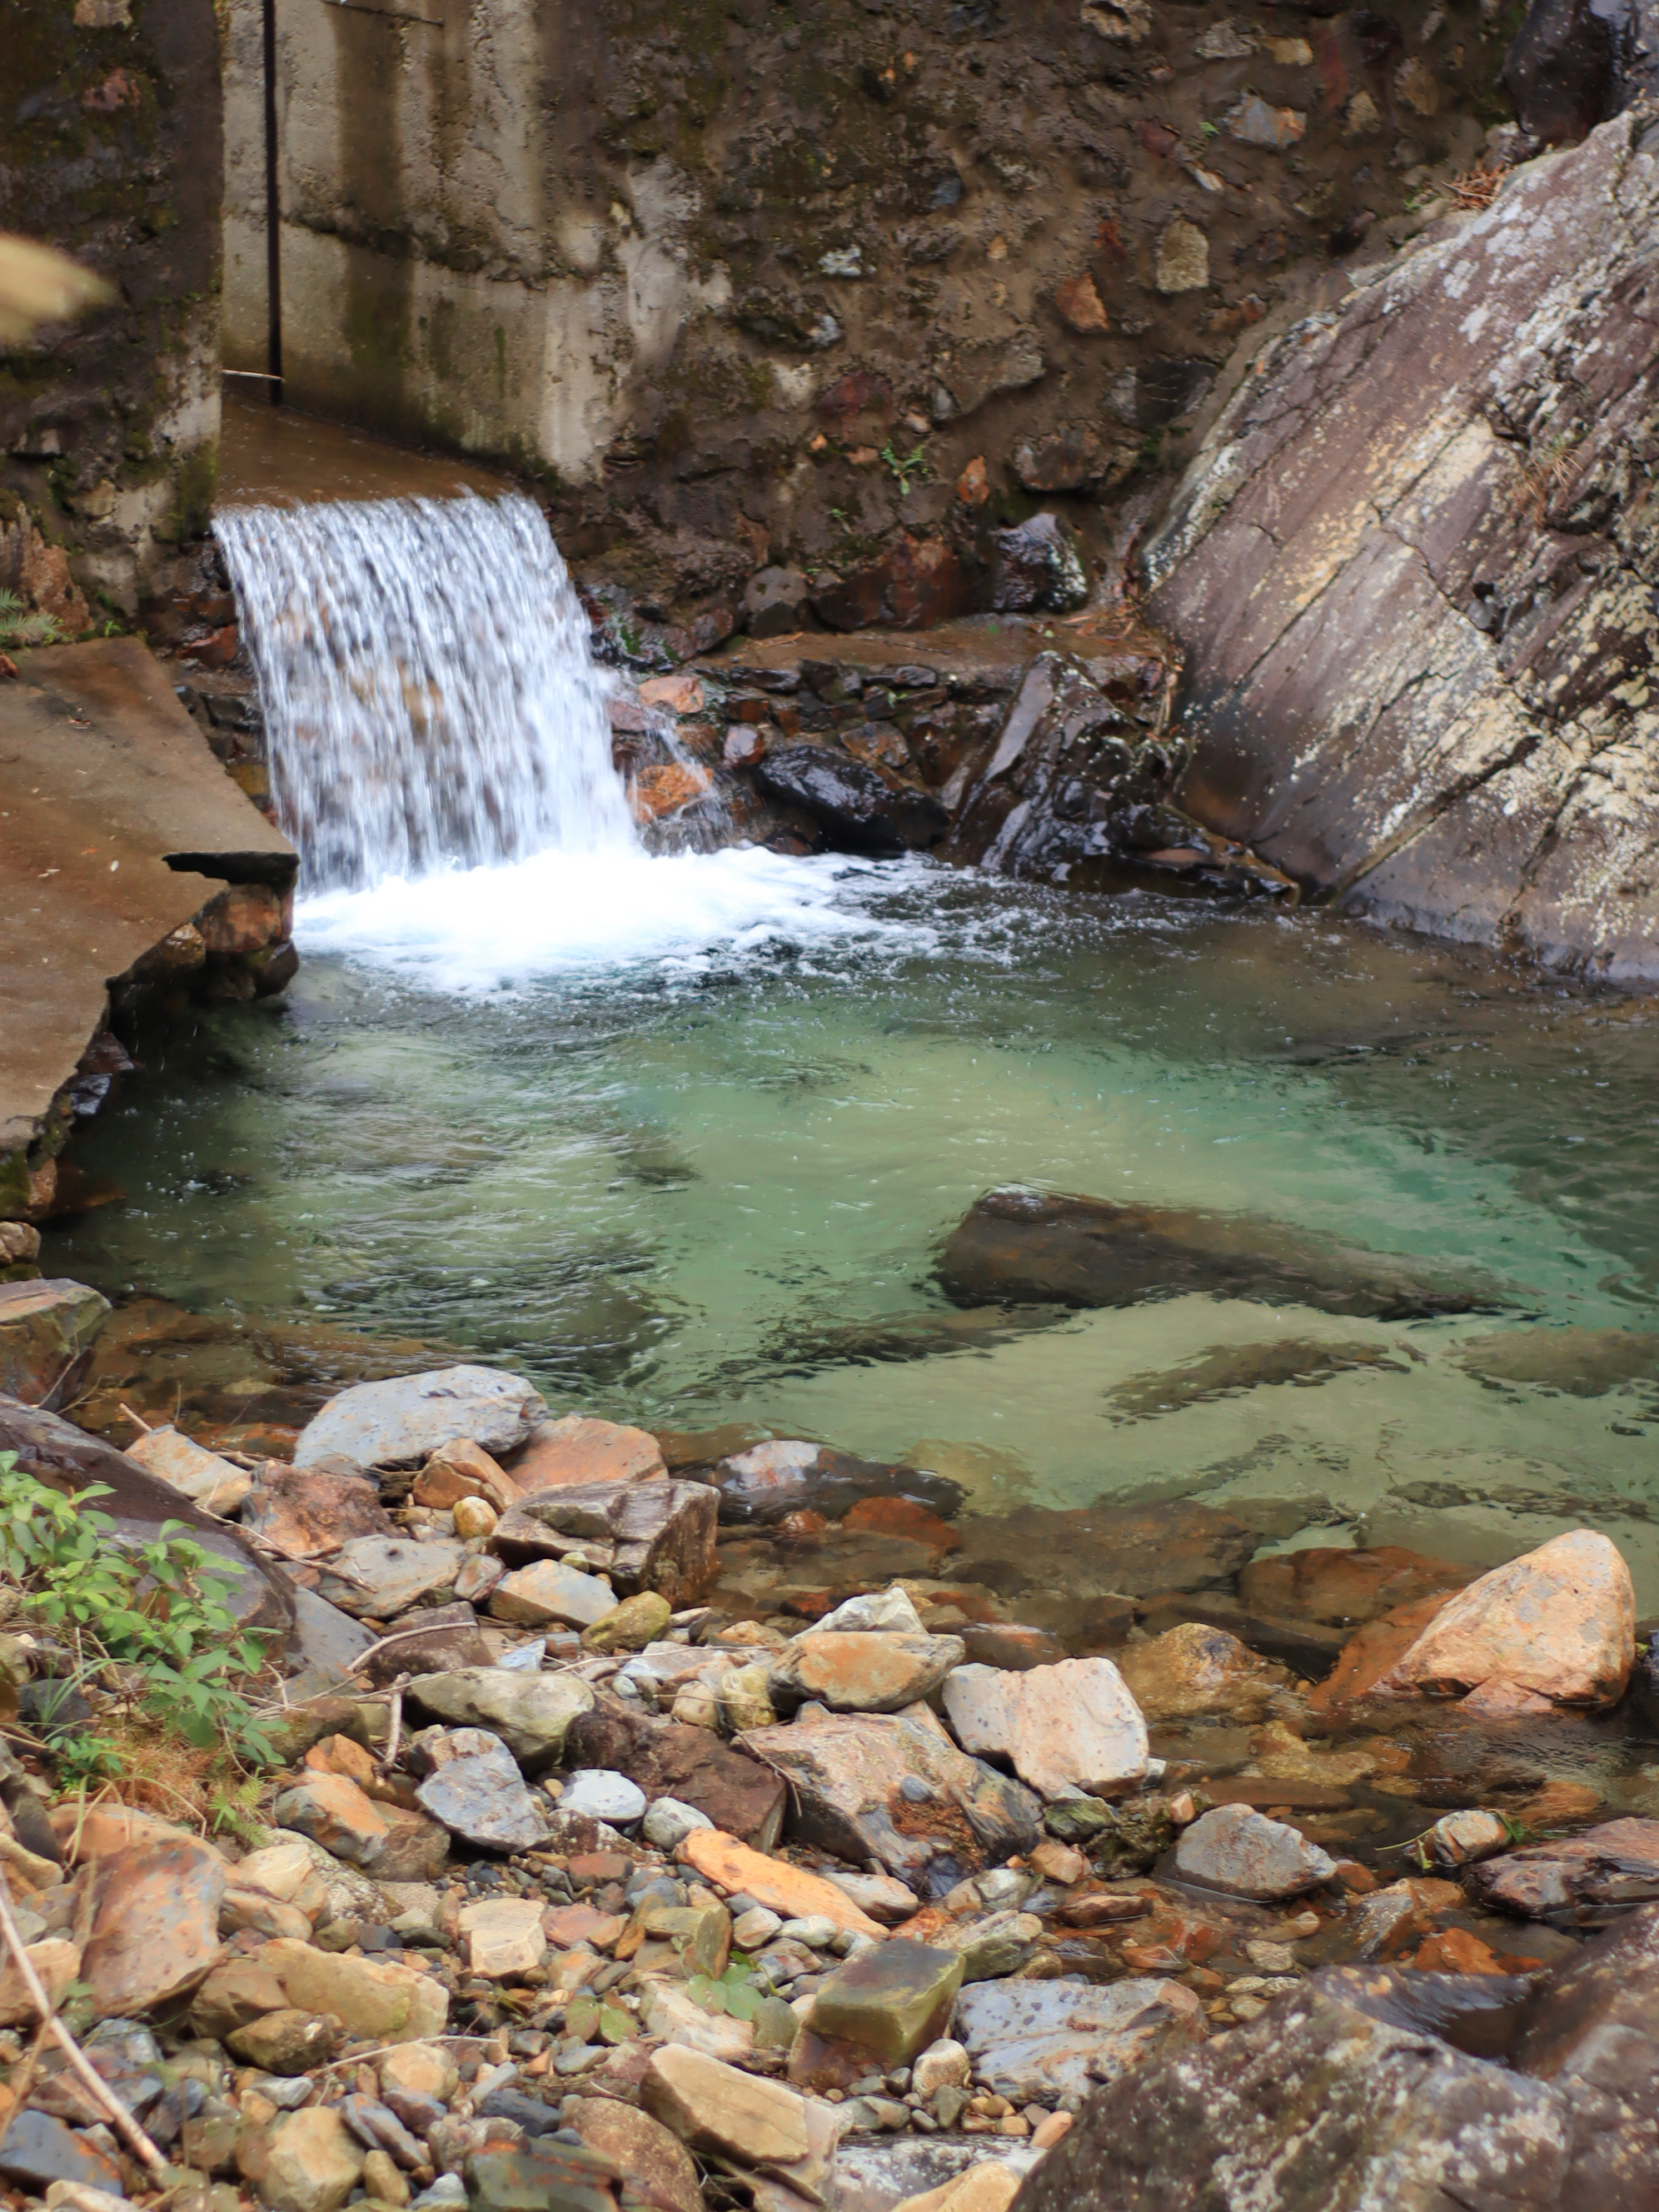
[429,698]
[441,754]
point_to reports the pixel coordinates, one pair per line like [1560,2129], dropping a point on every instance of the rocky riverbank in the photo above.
[688,1822]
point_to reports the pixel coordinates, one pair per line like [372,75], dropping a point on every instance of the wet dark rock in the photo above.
[1328,2099]
[1597,2020]
[1582,1881]
[737,1793]
[775,602]
[862,811]
[1028,1247]
[543,2176]
[769,1480]
[67,1459]
[914,585]
[1038,568]
[1573,63]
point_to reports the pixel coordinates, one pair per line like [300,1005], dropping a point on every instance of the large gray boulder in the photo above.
[1412,567]
[398,1422]
[1345,2097]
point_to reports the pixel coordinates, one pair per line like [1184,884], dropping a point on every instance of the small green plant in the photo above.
[1208,130]
[905,468]
[18,626]
[150,1622]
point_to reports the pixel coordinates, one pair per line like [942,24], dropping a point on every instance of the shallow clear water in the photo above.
[681,1138]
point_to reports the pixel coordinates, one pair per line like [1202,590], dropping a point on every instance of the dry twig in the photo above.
[100,2091]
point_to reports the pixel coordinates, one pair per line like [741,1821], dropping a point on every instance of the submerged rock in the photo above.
[401,1422]
[1197,1669]
[1024,1246]
[1231,1368]
[769,1480]
[1584,1362]
[1325,1583]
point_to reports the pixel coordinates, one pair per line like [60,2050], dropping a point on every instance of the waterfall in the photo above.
[430,697]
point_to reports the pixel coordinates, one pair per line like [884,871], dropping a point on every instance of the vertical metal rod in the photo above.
[273,219]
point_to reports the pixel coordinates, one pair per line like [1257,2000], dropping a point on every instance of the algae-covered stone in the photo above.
[891,2002]
[630,1626]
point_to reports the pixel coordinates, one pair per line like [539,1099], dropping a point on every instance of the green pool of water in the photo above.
[711,1187]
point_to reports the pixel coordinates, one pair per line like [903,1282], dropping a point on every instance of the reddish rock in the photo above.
[1194,1670]
[860,391]
[1080,306]
[862,1671]
[578,1450]
[439,1639]
[902,1516]
[309,1513]
[155,1925]
[915,584]
[333,1811]
[691,1764]
[1326,1583]
[666,789]
[1557,1625]
[1369,1654]
[463,1469]
[1578,1878]
[782,1889]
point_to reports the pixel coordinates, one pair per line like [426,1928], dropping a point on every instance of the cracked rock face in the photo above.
[1414,567]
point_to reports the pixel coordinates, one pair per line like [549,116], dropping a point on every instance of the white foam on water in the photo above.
[564,914]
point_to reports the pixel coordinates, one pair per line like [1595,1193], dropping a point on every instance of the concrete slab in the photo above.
[116,826]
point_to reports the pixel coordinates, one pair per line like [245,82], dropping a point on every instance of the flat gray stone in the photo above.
[390,1574]
[474,1788]
[397,1423]
[1055,2041]
[1245,1854]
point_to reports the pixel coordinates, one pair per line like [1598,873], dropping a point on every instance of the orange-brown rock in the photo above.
[1326,1583]
[1080,305]
[1556,1625]
[154,1927]
[578,1449]
[1458,1951]
[774,1883]
[338,1755]
[333,1811]
[309,1513]
[463,1469]
[902,1516]
[1371,1651]
[666,789]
